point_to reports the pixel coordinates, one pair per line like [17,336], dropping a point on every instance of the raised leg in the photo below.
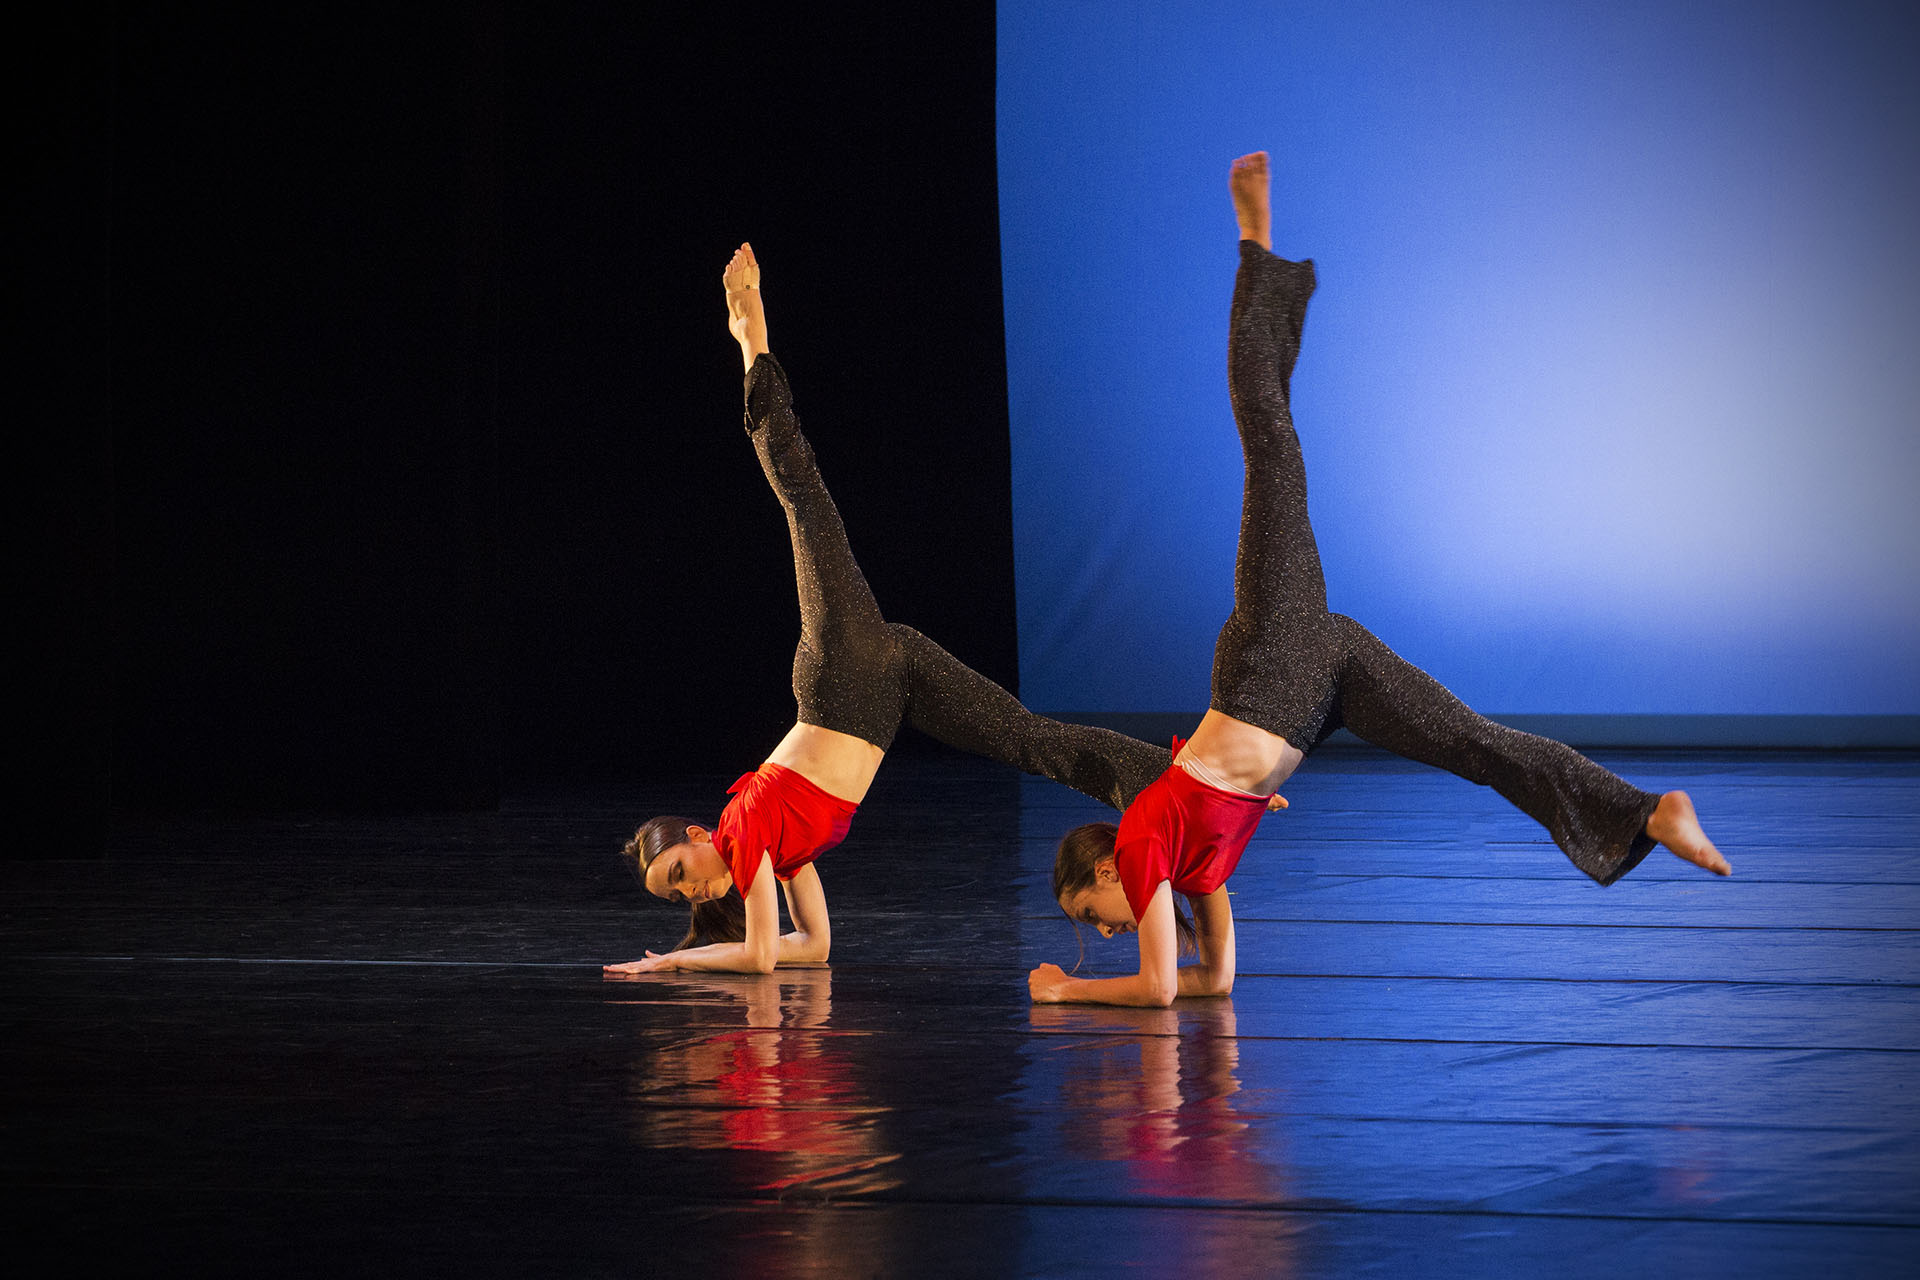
[950,701]
[846,668]
[1270,664]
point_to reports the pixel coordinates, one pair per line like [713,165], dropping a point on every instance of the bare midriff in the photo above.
[838,763]
[1244,756]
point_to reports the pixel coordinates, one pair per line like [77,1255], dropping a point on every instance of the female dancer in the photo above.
[1286,673]
[855,677]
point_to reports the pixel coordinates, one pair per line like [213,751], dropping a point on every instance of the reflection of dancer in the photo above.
[855,677]
[785,1103]
[1286,673]
[1154,1091]
[796,996]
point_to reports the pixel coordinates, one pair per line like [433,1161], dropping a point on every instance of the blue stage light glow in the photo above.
[1608,393]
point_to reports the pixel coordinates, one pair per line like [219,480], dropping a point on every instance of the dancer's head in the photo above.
[1086,884]
[675,859]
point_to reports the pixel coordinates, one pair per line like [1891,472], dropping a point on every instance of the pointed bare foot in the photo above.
[1675,825]
[1247,180]
[746,315]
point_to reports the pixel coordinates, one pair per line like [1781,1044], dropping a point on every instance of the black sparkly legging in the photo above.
[1287,665]
[857,673]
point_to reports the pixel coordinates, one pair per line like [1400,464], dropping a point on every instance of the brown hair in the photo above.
[722,919]
[1076,865]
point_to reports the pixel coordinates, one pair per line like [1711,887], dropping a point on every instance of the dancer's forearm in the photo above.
[760,952]
[1154,987]
[1138,990]
[728,957]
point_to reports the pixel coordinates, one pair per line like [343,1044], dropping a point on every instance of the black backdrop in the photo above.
[388,444]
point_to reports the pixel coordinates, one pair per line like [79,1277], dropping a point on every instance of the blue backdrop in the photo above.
[1608,392]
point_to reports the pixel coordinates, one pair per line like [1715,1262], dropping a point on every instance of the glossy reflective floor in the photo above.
[303,1046]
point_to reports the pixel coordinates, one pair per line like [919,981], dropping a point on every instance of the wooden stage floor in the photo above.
[303,1045]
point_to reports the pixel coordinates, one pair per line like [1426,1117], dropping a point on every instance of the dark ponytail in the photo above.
[1075,867]
[722,919]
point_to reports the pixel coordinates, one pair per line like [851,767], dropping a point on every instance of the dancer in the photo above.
[855,678]
[1286,673]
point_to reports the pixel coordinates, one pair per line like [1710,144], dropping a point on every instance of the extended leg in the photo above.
[1598,819]
[1271,665]
[846,673]
[950,701]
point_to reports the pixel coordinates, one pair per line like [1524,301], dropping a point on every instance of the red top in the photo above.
[1182,830]
[777,811]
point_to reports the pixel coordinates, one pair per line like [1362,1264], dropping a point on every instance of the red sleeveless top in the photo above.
[779,812]
[1183,831]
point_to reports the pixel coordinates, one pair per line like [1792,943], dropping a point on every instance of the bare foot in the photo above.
[1247,181]
[1675,825]
[746,314]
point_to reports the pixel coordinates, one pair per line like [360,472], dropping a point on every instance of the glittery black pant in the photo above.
[857,673]
[1287,665]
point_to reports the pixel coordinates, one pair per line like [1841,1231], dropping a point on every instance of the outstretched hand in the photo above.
[654,963]
[1047,983]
